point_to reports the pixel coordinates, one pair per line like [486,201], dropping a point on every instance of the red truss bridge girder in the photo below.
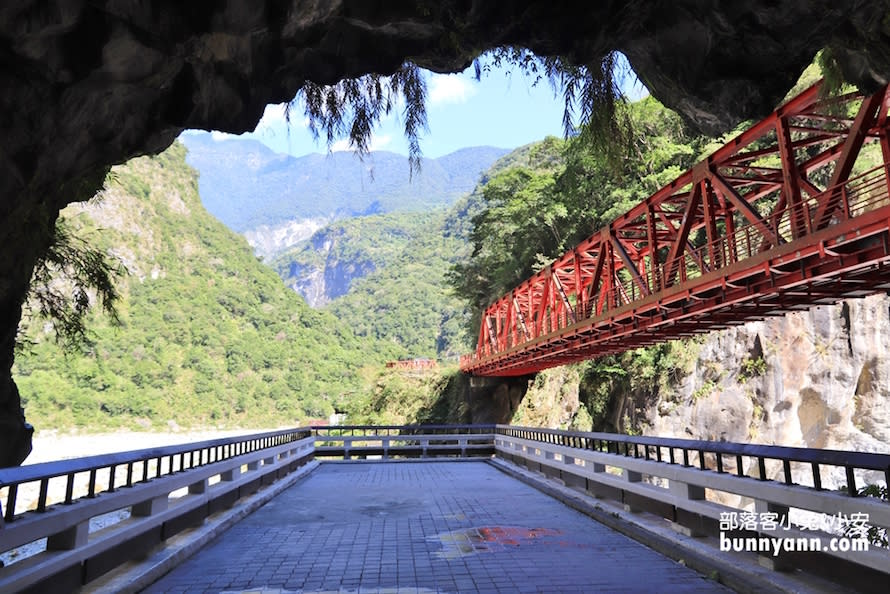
[780,218]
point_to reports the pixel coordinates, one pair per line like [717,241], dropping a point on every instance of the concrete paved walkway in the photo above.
[424,527]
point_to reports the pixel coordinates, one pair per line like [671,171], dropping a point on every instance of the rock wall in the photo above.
[490,399]
[85,85]
[818,378]
[824,382]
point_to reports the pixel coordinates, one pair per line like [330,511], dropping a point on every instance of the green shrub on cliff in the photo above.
[208,335]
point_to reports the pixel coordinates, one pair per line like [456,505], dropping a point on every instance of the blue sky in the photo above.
[503,109]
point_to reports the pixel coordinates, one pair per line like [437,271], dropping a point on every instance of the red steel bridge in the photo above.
[784,216]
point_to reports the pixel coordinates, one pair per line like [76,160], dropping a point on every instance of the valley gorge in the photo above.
[88,85]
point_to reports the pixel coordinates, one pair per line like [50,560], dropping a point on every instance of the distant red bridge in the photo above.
[782,217]
[412,364]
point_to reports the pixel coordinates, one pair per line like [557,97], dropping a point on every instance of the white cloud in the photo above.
[341,145]
[449,88]
[380,142]
[377,143]
[220,136]
[274,118]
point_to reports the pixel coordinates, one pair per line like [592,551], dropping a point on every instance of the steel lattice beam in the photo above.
[775,241]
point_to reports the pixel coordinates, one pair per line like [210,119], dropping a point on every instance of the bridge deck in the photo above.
[424,527]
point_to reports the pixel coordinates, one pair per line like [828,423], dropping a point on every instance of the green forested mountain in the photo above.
[528,209]
[208,335]
[324,267]
[386,275]
[407,300]
[245,185]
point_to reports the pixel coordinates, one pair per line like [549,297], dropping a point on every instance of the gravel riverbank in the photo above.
[51,445]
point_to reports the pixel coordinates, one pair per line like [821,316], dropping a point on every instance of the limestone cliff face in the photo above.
[320,284]
[267,240]
[818,378]
[324,267]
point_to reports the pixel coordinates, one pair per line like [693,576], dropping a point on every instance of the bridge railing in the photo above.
[764,225]
[697,485]
[157,493]
[68,521]
[857,196]
[403,441]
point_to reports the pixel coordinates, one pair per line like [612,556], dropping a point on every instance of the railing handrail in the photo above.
[860,460]
[48,470]
[265,456]
[148,511]
[483,426]
[699,500]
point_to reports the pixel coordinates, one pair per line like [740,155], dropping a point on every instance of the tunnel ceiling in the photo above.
[87,84]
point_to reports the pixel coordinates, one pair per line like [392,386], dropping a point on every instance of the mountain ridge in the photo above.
[247,185]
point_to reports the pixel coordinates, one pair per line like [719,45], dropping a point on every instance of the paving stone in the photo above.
[425,527]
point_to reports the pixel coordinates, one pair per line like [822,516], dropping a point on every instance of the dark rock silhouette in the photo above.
[85,85]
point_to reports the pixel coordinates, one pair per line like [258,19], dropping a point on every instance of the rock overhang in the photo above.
[85,85]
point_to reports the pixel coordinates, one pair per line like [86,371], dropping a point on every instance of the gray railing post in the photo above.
[71,538]
[774,562]
[688,492]
[151,507]
[631,477]
[198,487]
